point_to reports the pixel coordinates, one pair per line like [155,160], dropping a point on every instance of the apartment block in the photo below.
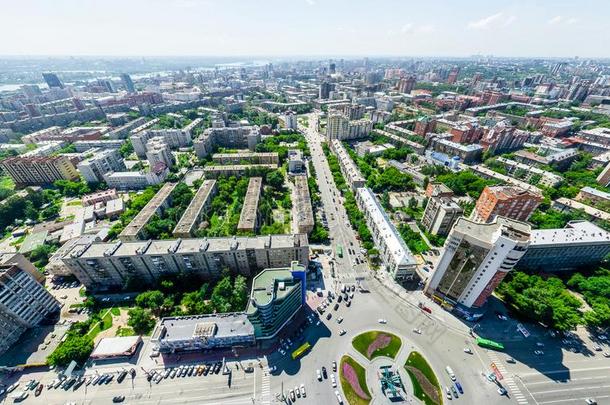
[249,218]
[39,171]
[581,244]
[162,200]
[213,172]
[137,180]
[174,138]
[158,151]
[24,302]
[102,266]
[349,169]
[94,168]
[506,201]
[604,177]
[246,158]
[594,195]
[467,153]
[83,146]
[289,120]
[440,215]
[196,210]
[547,179]
[296,164]
[246,137]
[393,251]
[476,258]
[302,205]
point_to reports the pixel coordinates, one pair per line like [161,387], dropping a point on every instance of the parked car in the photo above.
[118,398]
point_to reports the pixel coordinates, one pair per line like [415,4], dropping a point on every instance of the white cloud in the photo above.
[310,2]
[555,20]
[486,22]
[407,28]
[511,19]
[410,29]
[572,21]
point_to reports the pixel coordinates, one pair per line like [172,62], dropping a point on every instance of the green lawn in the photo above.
[125,331]
[351,396]
[115,311]
[425,384]
[363,341]
[104,324]
[7,182]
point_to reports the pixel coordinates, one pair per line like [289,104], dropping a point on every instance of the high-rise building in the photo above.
[506,201]
[440,215]
[52,80]
[476,259]
[289,119]
[277,296]
[424,125]
[453,75]
[94,168]
[39,170]
[157,150]
[504,137]
[406,84]
[332,68]
[128,83]
[325,89]
[24,302]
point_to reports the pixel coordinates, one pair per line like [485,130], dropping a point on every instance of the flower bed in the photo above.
[353,381]
[377,343]
[425,384]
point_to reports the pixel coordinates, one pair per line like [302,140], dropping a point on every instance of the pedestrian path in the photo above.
[508,381]
[265,398]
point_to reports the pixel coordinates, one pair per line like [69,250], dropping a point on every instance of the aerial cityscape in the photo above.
[309,202]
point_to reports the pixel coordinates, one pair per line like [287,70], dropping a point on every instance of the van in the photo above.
[450,372]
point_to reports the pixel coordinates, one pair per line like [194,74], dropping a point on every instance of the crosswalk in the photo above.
[508,382]
[265,398]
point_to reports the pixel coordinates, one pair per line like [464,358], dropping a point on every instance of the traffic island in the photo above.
[377,343]
[425,384]
[353,382]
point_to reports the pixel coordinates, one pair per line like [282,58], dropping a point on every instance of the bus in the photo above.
[489,344]
[339,251]
[300,352]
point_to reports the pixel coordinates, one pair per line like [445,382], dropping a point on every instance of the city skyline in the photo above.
[307,27]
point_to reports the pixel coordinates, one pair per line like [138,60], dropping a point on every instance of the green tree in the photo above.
[275,180]
[77,348]
[140,320]
[240,293]
[152,300]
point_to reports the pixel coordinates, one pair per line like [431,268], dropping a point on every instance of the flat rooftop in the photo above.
[516,230]
[575,232]
[271,284]
[217,326]
[193,211]
[136,224]
[249,211]
[303,201]
[187,246]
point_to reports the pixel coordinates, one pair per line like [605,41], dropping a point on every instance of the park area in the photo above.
[353,382]
[425,384]
[377,343]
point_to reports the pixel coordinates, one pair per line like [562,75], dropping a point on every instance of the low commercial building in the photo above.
[581,244]
[440,215]
[476,258]
[101,196]
[467,153]
[214,172]
[246,158]
[249,218]
[137,180]
[116,347]
[103,266]
[24,302]
[302,203]
[277,296]
[369,148]
[135,229]
[195,211]
[202,332]
[393,251]
[349,169]
[39,171]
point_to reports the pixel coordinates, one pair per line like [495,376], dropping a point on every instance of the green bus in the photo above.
[298,353]
[489,344]
[339,251]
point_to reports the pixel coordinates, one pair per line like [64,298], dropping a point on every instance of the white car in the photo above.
[319,375]
[467,350]
[302,389]
[342,332]
[282,351]
[339,399]
[602,337]
[340,319]
[538,352]
[333,380]
[381,320]
[606,354]
[418,331]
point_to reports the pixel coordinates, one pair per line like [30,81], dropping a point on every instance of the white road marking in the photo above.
[572,400]
[571,389]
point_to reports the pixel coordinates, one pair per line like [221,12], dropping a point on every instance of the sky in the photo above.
[284,28]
